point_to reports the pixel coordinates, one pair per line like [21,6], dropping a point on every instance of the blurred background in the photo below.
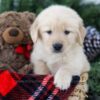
[89,10]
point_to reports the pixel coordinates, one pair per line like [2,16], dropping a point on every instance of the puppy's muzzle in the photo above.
[57,47]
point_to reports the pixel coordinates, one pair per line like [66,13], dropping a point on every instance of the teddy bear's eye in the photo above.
[66,32]
[8,25]
[17,26]
[49,32]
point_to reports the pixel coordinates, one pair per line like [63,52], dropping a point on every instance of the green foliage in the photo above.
[5,5]
[90,13]
[94,80]
[95,77]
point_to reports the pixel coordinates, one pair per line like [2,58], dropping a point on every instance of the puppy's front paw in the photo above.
[62,80]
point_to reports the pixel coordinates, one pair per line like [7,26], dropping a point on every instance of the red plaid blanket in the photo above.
[14,86]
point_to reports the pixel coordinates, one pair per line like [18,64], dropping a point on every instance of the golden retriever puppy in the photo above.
[58,35]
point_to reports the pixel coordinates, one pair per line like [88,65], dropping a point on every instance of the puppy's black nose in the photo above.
[57,47]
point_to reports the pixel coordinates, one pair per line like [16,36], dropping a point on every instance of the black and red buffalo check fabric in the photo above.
[14,86]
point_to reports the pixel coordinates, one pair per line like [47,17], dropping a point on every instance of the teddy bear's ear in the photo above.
[9,14]
[28,15]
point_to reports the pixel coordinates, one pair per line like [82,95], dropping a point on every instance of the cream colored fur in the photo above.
[72,60]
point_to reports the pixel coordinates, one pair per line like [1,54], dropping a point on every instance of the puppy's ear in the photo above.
[81,34]
[34,31]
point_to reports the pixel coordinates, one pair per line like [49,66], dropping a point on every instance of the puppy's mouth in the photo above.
[58,52]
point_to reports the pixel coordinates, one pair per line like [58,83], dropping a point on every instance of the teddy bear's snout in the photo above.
[13,35]
[14,32]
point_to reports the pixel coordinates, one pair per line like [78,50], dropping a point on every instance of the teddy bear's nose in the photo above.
[13,35]
[13,32]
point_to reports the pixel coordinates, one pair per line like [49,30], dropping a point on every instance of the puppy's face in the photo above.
[57,36]
[59,29]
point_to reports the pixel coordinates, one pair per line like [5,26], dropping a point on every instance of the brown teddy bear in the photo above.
[15,40]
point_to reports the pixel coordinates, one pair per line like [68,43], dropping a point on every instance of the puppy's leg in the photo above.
[62,79]
[40,68]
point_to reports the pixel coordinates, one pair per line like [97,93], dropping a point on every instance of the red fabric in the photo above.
[7,83]
[24,50]
[14,86]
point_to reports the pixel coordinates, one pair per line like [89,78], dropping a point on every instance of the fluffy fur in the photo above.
[49,28]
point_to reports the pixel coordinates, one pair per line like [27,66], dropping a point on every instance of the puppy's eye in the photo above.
[49,32]
[66,32]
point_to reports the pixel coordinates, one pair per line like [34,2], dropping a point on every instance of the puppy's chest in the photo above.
[54,67]
[55,63]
